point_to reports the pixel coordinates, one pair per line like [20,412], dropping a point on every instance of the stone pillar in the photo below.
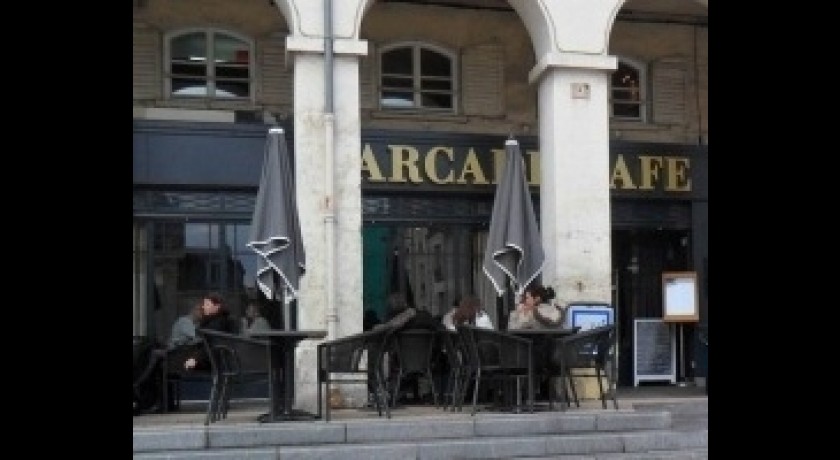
[327,204]
[574,168]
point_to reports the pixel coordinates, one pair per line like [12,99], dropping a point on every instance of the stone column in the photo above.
[574,168]
[329,199]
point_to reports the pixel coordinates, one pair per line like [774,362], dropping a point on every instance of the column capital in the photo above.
[571,60]
[300,44]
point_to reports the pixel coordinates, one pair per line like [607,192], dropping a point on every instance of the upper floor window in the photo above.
[209,64]
[416,77]
[627,91]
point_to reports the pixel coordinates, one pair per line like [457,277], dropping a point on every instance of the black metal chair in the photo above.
[164,373]
[341,361]
[591,352]
[451,346]
[234,360]
[414,354]
[497,356]
[146,389]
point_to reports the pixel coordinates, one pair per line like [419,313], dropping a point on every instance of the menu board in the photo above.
[655,347]
[680,297]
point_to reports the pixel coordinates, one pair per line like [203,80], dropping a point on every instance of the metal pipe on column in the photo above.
[329,179]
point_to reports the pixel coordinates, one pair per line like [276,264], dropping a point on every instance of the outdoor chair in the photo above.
[145,383]
[591,353]
[234,360]
[414,354]
[159,372]
[497,356]
[357,358]
[451,346]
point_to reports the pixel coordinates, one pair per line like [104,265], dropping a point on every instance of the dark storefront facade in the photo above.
[426,203]
[427,200]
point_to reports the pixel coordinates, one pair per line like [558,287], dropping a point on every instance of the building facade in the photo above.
[396,159]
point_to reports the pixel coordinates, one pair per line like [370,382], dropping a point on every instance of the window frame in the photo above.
[642,103]
[417,78]
[210,34]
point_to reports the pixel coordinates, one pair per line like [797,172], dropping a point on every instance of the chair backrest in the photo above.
[489,347]
[414,349]
[451,347]
[589,347]
[235,354]
[345,354]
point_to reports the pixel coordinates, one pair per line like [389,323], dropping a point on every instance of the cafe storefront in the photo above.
[426,204]
[427,200]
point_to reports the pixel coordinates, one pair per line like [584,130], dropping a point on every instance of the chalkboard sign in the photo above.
[656,357]
[680,297]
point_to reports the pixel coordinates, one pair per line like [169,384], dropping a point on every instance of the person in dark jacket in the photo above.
[183,356]
[215,317]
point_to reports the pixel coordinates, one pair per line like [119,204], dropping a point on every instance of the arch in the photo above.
[546,21]
[287,9]
[553,28]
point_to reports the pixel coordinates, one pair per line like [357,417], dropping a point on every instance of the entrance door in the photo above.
[639,258]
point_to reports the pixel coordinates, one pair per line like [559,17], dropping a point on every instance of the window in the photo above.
[627,89]
[416,77]
[209,64]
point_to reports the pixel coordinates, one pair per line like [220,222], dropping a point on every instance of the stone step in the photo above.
[648,444]
[462,427]
[688,454]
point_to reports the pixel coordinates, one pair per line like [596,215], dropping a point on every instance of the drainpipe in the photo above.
[329,179]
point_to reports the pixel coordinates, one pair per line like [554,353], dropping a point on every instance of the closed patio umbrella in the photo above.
[514,253]
[275,226]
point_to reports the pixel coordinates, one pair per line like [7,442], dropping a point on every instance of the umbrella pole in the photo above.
[501,316]
[287,310]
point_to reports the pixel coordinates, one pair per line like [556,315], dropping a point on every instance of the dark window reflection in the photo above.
[404,86]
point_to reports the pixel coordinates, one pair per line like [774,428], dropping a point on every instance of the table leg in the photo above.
[281,395]
[288,378]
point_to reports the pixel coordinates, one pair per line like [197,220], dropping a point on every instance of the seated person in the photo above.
[468,311]
[254,321]
[187,355]
[534,311]
[183,329]
[215,317]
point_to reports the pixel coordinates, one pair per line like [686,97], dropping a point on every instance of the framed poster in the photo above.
[680,298]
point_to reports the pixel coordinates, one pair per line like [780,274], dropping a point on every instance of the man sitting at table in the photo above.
[535,311]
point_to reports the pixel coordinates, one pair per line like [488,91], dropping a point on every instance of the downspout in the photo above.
[329,179]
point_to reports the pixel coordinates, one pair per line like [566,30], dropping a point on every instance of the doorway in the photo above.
[639,258]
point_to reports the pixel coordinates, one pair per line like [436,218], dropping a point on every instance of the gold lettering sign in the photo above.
[677,175]
[370,166]
[404,157]
[622,174]
[472,168]
[431,169]
[439,166]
